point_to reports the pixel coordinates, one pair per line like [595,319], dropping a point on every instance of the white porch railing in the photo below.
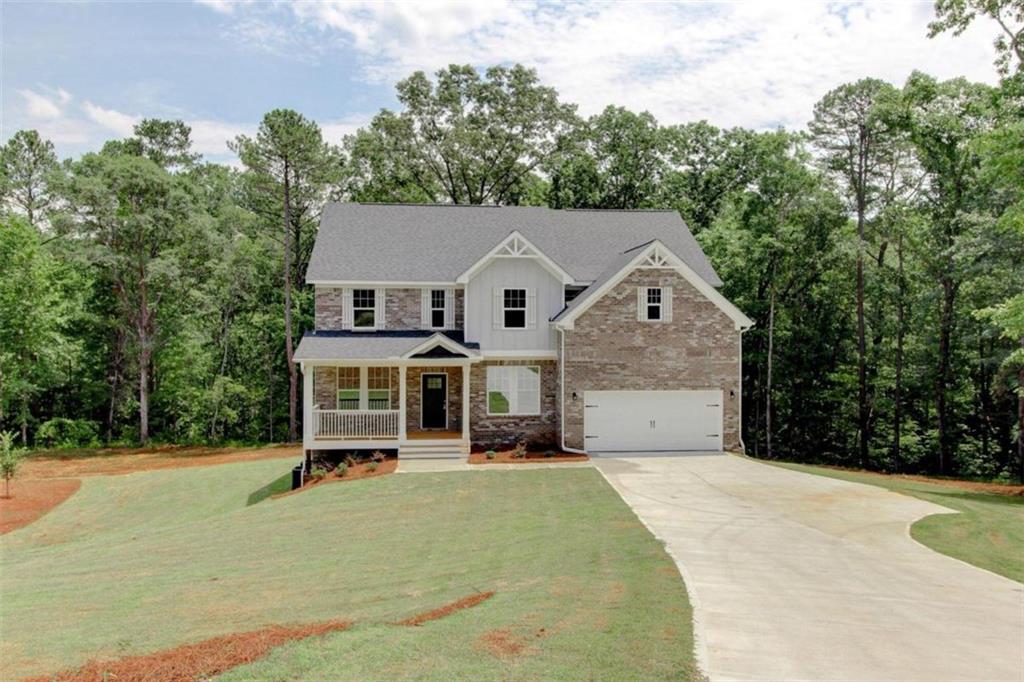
[355,423]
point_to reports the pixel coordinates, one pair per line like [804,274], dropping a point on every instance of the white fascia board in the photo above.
[543,354]
[741,321]
[388,284]
[550,265]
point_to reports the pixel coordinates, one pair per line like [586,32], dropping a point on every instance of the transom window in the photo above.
[654,303]
[437,308]
[364,308]
[513,390]
[514,309]
[348,388]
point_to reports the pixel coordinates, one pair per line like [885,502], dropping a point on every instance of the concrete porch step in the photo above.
[454,450]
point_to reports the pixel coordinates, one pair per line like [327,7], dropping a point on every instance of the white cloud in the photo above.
[210,138]
[334,131]
[754,64]
[116,121]
[41,107]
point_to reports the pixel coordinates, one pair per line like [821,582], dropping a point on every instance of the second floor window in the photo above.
[653,303]
[363,308]
[437,308]
[514,309]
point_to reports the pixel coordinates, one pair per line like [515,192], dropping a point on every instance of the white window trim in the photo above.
[376,308]
[525,309]
[431,308]
[514,391]
[664,305]
[363,389]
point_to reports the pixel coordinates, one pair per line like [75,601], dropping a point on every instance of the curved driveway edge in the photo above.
[801,577]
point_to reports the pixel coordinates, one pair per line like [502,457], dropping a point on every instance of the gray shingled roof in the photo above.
[331,345]
[437,243]
[620,261]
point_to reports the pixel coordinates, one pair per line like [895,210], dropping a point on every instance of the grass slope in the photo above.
[989,531]
[137,563]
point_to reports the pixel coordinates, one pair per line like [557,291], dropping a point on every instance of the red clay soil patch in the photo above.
[353,473]
[972,486]
[31,498]
[113,461]
[448,609]
[502,643]
[190,662]
[506,457]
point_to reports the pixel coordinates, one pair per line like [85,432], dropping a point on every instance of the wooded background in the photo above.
[146,294]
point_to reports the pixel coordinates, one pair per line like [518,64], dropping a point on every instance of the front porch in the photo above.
[411,406]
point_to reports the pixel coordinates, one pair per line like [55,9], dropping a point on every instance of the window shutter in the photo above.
[666,304]
[346,309]
[641,304]
[531,308]
[449,309]
[424,308]
[379,306]
[498,307]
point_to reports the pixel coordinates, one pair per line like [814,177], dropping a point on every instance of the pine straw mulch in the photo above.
[447,609]
[200,660]
[353,473]
[1011,489]
[507,457]
[113,461]
[31,498]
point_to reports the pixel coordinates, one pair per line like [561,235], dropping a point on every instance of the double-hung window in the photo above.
[654,304]
[364,308]
[378,390]
[438,298]
[513,390]
[514,309]
[348,388]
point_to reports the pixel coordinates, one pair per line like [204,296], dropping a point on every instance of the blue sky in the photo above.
[84,72]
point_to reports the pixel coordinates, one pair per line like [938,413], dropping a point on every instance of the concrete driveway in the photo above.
[801,577]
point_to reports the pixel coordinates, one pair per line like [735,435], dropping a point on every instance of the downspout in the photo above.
[561,400]
[739,393]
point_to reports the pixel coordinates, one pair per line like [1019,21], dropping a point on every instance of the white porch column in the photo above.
[401,402]
[465,401]
[307,405]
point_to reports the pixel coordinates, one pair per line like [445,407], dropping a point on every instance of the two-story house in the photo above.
[438,327]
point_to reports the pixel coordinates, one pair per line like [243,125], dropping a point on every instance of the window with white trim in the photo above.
[513,390]
[378,388]
[364,308]
[348,388]
[654,304]
[438,308]
[514,308]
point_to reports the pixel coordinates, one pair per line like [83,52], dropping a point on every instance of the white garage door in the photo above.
[624,421]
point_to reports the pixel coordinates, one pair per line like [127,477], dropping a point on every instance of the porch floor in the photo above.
[434,435]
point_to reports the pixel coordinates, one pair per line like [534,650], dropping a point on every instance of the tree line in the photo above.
[147,294]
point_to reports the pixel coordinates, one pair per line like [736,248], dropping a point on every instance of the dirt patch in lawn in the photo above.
[200,660]
[114,461]
[507,457]
[448,609]
[353,473]
[503,643]
[31,498]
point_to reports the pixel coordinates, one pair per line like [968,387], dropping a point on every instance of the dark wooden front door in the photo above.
[434,395]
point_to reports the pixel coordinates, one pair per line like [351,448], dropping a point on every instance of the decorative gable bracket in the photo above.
[516,245]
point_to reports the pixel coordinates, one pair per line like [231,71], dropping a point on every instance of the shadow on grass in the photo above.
[278,485]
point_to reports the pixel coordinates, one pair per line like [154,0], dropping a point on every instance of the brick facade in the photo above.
[610,350]
[413,396]
[491,430]
[402,308]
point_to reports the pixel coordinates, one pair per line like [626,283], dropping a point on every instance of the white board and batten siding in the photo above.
[545,297]
[653,421]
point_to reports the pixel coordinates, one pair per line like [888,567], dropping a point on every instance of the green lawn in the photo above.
[989,531]
[137,563]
